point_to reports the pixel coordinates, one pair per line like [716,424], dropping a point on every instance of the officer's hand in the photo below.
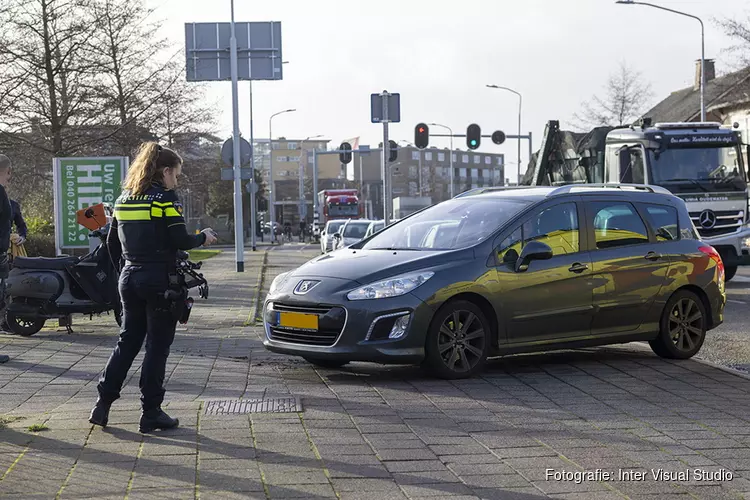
[210,236]
[21,240]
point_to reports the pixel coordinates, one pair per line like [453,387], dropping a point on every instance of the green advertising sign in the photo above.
[80,183]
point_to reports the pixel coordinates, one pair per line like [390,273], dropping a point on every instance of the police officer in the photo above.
[147,231]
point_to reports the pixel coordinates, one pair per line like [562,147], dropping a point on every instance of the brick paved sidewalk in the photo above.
[365,431]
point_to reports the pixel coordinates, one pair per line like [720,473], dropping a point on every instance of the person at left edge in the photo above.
[147,231]
[6,217]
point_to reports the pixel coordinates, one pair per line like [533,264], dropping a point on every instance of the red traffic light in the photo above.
[421,136]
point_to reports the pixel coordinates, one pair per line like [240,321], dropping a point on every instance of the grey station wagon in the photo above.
[499,271]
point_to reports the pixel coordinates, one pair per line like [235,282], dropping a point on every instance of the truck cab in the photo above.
[702,163]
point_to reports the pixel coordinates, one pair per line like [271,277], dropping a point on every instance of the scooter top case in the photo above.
[39,278]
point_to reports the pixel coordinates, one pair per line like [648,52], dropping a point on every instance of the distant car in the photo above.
[350,233]
[326,236]
[503,272]
[374,227]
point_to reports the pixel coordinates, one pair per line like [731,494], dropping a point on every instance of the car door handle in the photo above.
[652,256]
[578,268]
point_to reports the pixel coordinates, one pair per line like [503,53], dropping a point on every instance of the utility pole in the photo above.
[239,239]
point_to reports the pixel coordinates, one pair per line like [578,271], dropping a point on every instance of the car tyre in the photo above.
[458,341]
[682,328]
[326,363]
[729,272]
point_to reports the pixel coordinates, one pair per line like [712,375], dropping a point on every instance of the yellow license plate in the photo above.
[298,320]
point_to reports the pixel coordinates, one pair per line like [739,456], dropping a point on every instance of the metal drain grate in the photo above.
[242,406]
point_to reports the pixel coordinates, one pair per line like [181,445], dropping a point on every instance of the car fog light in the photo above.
[399,327]
[746,243]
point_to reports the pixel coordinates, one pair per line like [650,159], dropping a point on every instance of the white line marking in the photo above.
[736,301]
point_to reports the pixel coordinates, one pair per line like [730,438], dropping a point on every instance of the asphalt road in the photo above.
[728,345]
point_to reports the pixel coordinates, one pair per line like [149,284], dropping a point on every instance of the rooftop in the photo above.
[684,105]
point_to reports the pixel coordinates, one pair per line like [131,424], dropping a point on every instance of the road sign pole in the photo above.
[239,240]
[253,204]
[384,159]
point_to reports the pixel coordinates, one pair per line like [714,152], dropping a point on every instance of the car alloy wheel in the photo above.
[686,324]
[457,344]
[682,328]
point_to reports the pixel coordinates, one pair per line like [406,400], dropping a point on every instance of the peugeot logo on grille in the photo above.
[305,286]
[707,219]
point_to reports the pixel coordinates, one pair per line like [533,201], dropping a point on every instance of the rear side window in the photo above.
[664,221]
[617,224]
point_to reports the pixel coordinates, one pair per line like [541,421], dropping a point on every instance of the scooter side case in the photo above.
[35,284]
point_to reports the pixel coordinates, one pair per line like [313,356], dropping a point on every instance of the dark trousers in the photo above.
[146,316]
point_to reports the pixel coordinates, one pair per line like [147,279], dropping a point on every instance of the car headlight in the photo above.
[392,287]
[277,282]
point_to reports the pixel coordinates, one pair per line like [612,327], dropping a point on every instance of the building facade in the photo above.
[415,173]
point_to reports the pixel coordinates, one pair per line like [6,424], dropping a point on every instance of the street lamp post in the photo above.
[703,45]
[272,187]
[520,103]
[450,131]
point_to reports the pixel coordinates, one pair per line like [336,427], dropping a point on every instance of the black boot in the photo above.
[100,413]
[152,420]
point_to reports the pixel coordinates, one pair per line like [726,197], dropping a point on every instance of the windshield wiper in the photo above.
[693,181]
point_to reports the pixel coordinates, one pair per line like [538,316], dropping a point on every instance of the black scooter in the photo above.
[42,288]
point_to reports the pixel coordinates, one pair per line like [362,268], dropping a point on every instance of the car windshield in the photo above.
[334,226]
[356,230]
[343,210]
[697,169]
[450,225]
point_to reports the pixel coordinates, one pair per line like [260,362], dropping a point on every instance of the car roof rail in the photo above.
[570,188]
[472,192]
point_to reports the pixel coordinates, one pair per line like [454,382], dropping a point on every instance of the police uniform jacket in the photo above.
[149,228]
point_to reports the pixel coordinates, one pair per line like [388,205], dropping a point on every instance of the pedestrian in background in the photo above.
[147,231]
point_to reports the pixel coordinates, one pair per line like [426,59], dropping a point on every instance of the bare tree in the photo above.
[46,98]
[45,89]
[739,31]
[625,98]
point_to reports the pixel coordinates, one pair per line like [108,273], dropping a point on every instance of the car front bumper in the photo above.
[362,334]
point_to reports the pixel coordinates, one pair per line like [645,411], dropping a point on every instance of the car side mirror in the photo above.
[533,250]
[337,235]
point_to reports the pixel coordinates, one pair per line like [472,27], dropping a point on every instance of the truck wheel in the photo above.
[729,272]
[25,327]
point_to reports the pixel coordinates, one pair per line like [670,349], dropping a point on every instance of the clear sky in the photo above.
[440,55]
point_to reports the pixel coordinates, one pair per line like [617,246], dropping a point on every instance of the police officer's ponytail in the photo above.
[148,167]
